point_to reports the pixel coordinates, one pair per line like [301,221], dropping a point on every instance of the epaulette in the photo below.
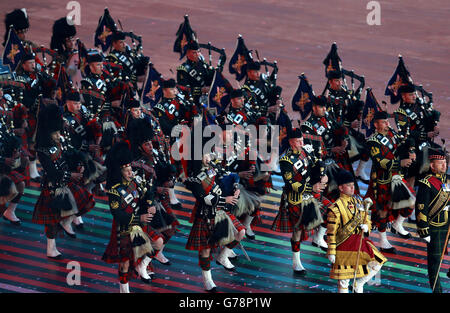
[286,158]
[373,137]
[21,79]
[111,56]
[400,111]
[425,181]
[159,106]
[307,124]
[113,190]
[181,68]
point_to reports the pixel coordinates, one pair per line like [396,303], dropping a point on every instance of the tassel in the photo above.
[224,230]
[161,221]
[64,202]
[402,197]
[331,170]
[140,242]
[311,216]
[247,203]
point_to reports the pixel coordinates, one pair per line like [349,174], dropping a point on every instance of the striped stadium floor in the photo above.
[24,267]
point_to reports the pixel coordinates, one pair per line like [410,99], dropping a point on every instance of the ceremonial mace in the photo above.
[367,204]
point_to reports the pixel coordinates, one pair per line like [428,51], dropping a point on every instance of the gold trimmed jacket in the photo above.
[432,203]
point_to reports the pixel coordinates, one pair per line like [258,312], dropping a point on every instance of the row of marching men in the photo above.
[110,113]
[321,196]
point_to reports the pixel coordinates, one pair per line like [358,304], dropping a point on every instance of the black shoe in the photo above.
[15,223]
[300,273]
[58,257]
[146,280]
[232,269]
[410,220]
[79,226]
[321,248]
[407,236]
[448,274]
[390,250]
[67,233]
[213,290]
[250,237]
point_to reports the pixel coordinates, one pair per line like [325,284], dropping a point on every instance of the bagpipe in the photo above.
[222,56]
[49,67]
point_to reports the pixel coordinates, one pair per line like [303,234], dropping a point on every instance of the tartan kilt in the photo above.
[152,233]
[43,214]
[200,233]
[16,177]
[381,197]
[116,252]
[288,215]
[83,198]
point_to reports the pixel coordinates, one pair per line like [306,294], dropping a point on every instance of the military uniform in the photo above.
[415,121]
[194,76]
[61,197]
[386,153]
[257,93]
[213,223]
[343,236]
[332,135]
[128,244]
[432,206]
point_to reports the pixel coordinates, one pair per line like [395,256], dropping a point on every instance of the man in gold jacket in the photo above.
[347,251]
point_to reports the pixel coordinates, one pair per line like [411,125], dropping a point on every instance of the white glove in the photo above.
[364,227]
[332,258]
[427,239]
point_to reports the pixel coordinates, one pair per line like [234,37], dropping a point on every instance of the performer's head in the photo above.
[118,41]
[334,79]
[408,93]
[28,62]
[95,60]
[380,121]
[237,98]
[19,20]
[50,125]
[169,88]
[63,35]
[438,161]
[135,108]
[346,182]
[295,139]
[319,106]
[73,101]
[253,70]
[193,51]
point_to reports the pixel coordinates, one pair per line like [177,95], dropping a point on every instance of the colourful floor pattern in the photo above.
[24,266]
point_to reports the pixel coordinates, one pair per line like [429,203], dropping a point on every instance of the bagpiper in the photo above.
[213,223]
[62,196]
[392,196]
[299,211]
[129,245]
[417,120]
[194,75]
